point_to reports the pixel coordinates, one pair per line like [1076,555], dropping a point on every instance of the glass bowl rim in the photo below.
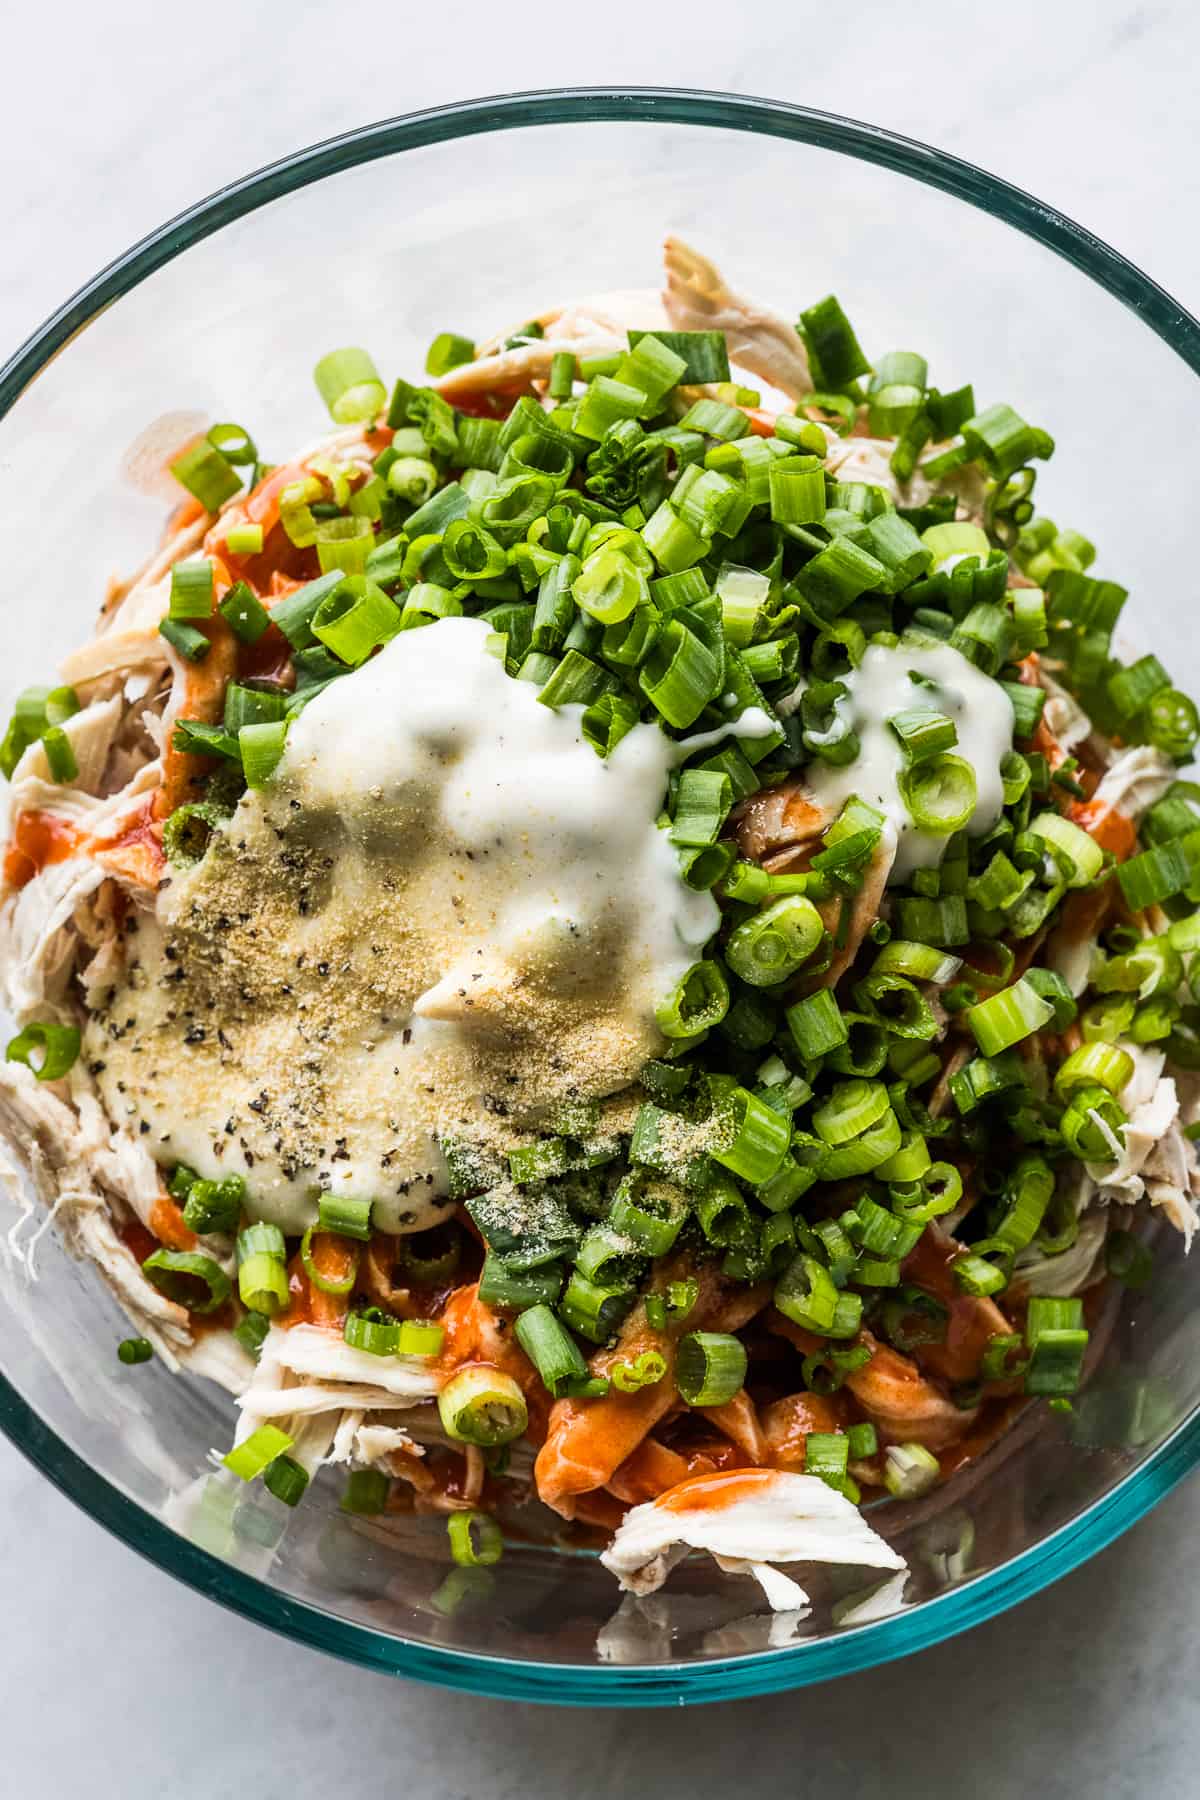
[721,1678]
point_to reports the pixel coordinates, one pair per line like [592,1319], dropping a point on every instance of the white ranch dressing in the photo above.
[443,900]
[881,686]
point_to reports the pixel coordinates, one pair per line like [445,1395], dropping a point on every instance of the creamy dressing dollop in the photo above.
[882,685]
[446,914]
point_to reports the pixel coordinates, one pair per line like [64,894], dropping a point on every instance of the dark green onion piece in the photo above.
[185,640]
[1129,1260]
[135,1350]
[551,1349]
[214,1205]
[835,357]
[286,1479]
[699,1001]
[244,613]
[348,1217]
[188,1278]
[366,1492]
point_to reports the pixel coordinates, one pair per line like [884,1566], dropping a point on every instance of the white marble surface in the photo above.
[122,1683]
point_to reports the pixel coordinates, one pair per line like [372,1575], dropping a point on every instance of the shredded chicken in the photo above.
[1135,781]
[748,1520]
[697,298]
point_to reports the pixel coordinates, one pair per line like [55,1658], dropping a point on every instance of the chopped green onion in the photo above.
[1008,1017]
[863,1440]
[262,748]
[940,793]
[1094,1064]
[1057,1343]
[699,1001]
[355,618]
[366,1492]
[134,1350]
[244,613]
[646,1370]
[476,1540]
[234,442]
[421,1337]
[192,589]
[756,1139]
[348,382]
[326,1284]
[923,732]
[188,1278]
[286,1479]
[1159,874]
[251,1333]
[482,1405]
[975,1275]
[835,357]
[372,1331]
[206,474]
[551,1350]
[817,1025]
[214,1205]
[256,1452]
[60,757]
[909,1471]
[244,540]
[775,943]
[807,1295]
[348,1217]
[710,1367]
[593,1311]
[1079,857]
[48,1050]
[851,1108]
[447,351]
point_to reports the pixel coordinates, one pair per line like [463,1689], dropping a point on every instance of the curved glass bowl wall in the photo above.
[468,218]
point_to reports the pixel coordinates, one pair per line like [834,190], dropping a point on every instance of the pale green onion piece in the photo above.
[249,1458]
[349,384]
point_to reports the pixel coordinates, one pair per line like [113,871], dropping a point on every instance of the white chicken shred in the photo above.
[771,1517]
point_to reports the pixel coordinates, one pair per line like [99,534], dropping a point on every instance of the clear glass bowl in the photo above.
[469,217]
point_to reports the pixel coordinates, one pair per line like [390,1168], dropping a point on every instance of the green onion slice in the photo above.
[188,1278]
[482,1405]
[49,1050]
[476,1540]
[710,1367]
[257,1451]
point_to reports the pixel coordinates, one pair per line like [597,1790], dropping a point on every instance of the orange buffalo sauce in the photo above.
[166,1222]
[334,1258]
[712,1493]
[1108,827]
[38,840]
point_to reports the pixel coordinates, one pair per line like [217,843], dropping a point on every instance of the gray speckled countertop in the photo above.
[119,1682]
